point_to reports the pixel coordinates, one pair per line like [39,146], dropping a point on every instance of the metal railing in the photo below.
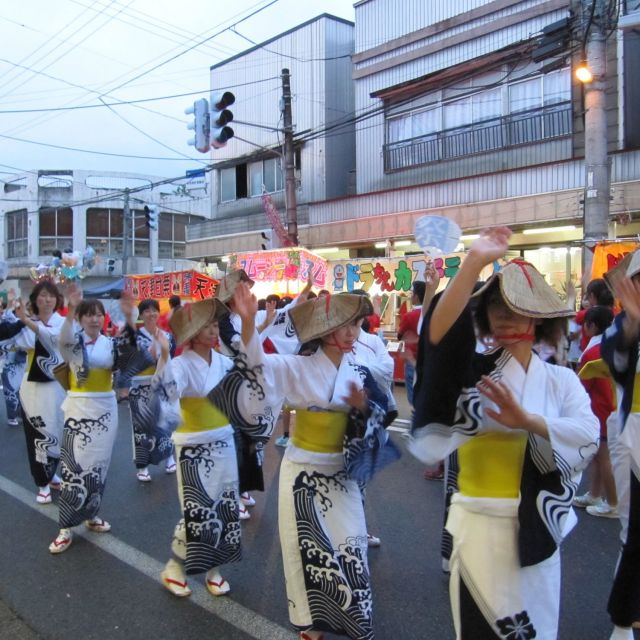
[490,135]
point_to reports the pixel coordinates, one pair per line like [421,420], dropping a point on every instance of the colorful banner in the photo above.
[384,275]
[282,264]
[608,255]
[186,284]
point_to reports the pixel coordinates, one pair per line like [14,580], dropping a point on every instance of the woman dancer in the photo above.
[340,412]
[523,431]
[208,534]
[41,395]
[91,418]
[13,368]
[150,445]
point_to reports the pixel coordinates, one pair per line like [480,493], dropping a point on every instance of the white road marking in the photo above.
[246,620]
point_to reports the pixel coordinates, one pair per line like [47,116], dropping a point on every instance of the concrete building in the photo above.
[454,117]
[42,211]
[318,56]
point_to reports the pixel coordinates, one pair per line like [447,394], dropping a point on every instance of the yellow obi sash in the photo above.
[198,414]
[320,431]
[30,353]
[149,371]
[98,380]
[635,398]
[491,465]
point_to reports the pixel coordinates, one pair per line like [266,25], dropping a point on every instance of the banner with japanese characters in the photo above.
[282,264]
[186,284]
[385,275]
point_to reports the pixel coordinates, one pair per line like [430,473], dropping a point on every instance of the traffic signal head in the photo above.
[151,213]
[219,119]
[200,125]
[111,265]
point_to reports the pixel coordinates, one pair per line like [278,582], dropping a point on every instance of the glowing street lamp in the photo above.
[583,73]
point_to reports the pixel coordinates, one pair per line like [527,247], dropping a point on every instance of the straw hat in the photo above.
[227,286]
[318,317]
[187,321]
[526,292]
[628,267]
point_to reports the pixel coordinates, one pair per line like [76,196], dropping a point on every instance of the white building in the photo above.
[318,56]
[42,211]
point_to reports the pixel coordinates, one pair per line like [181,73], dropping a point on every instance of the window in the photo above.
[248,180]
[104,231]
[478,115]
[172,235]
[56,229]
[16,233]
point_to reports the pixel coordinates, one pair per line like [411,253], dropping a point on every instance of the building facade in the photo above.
[44,211]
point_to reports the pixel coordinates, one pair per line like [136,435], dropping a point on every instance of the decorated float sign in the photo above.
[186,284]
[385,275]
[282,264]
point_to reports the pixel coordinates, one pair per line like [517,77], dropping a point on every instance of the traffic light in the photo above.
[219,119]
[200,125]
[266,239]
[111,265]
[151,213]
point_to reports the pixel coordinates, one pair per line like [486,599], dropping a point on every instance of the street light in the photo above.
[583,73]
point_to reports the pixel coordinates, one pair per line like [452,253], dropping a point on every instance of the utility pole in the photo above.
[126,221]
[289,175]
[596,160]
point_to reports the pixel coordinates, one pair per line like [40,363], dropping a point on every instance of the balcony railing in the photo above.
[514,130]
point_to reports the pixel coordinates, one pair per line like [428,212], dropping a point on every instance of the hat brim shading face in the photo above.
[526,292]
[228,284]
[189,320]
[321,316]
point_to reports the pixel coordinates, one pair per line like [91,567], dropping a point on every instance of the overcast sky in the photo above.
[57,54]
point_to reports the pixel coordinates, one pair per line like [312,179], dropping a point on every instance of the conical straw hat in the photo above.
[227,286]
[628,267]
[526,292]
[320,316]
[188,320]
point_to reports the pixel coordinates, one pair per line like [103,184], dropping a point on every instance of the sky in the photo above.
[78,60]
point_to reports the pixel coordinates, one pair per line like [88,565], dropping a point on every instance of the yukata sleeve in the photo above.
[446,401]
[10,328]
[367,445]
[70,345]
[621,358]
[131,358]
[552,469]
[242,394]
[167,386]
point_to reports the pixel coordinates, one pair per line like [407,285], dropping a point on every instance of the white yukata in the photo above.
[322,526]
[515,489]
[208,534]
[41,397]
[150,445]
[90,426]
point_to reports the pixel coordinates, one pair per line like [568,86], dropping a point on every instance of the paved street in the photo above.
[106,586]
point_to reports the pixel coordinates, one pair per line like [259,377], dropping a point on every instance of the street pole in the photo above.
[126,217]
[290,178]
[596,161]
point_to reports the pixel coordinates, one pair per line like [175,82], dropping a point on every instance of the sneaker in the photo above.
[98,525]
[216,584]
[243,512]
[143,475]
[586,500]
[373,541]
[603,510]
[44,495]
[247,500]
[282,441]
[62,541]
[174,580]
[12,422]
